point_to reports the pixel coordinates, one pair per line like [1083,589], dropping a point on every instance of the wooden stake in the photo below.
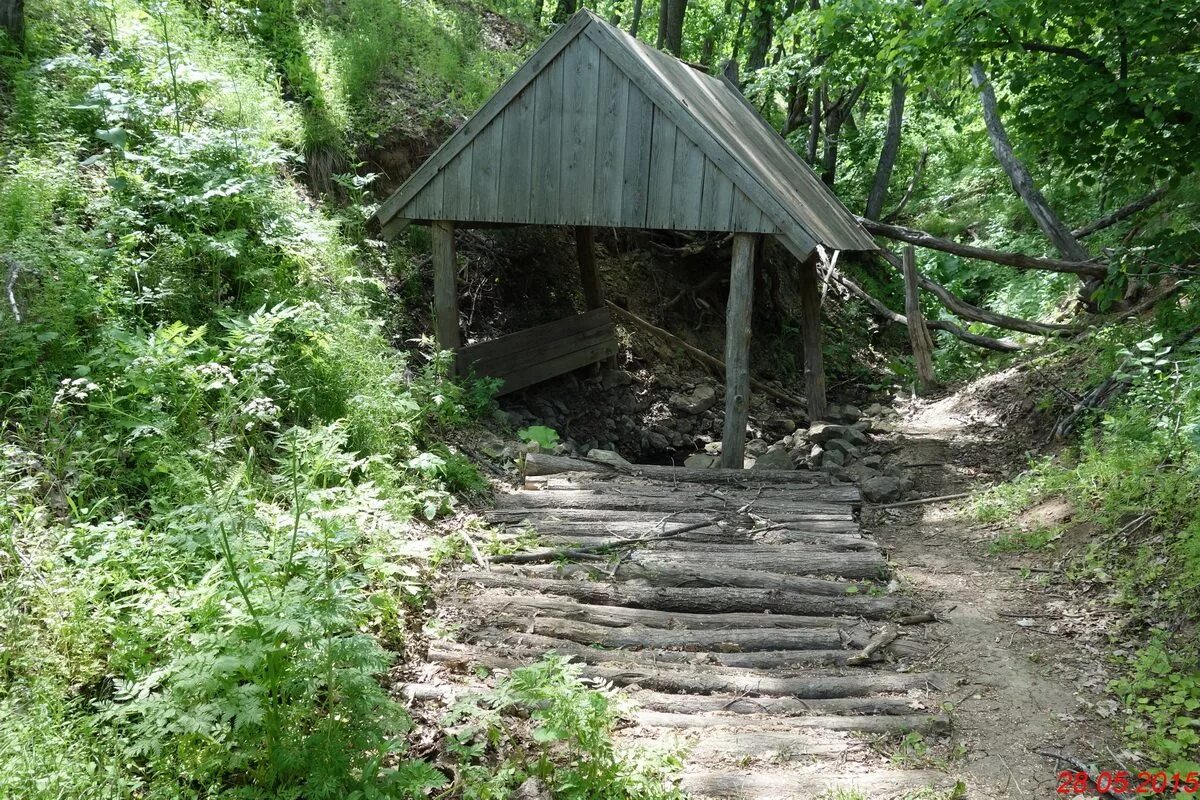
[585,249]
[918,334]
[810,324]
[737,351]
[445,286]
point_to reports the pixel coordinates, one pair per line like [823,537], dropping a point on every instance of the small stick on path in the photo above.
[877,643]
[925,500]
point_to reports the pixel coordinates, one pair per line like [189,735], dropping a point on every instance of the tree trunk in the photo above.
[563,10]
[537,12]
[760,36]
[797,108]
[636,22]
[1022,181]
[708,47]
[12,19]
[670,26]
[814,124]
[887,155]
[741,26]
[918,334]
[836,117]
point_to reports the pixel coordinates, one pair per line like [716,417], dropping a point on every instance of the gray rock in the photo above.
[856,437]
[816,453]
[701,461]
[775,458]
[851,413]
[874,410]
[821,432]
[842,446]
[881,489]
[702,398]
[833,458]
[658,441]
[496,448]
[872,461]
[894,470]
[608,457]
[756,447]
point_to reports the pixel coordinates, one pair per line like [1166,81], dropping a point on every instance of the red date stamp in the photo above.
[1122,781]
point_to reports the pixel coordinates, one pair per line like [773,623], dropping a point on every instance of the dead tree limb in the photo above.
[10,285]
[1124,212]
[986,342]
[968,311]
[911,190]
[1015,260]
[1018,175]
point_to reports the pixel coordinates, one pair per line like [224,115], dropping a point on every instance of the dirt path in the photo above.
[1008,624]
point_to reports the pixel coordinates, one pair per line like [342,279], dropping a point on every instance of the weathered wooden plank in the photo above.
[611,133]
[428,202]
[507,361]
[456,197]
[775,510]
[485,171]
[545,464]
[810,332]
[688,187]
[716,202]
[636,179]
[737,351]
[580,86]
[516,159]
[538,336]
[445,285]
[746,214]
[544,55]
[662,169]
[547,142]
[560,365]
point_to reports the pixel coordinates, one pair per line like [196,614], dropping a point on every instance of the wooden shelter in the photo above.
[598,129]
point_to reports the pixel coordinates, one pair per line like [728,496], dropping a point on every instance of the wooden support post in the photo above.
[445,286]
[810,329]
[918,334]
[737,351]
[585,249]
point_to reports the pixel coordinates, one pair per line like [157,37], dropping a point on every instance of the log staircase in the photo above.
[742,609]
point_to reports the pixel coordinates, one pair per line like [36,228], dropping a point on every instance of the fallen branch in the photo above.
[926,500]
[918,619]
[986,342]
[1121,213]
[1015,260]
[879,641]
[704,358]
[962,308]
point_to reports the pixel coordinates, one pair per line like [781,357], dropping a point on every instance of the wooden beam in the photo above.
[445,286]
[810,324]
[737,350]
[585,249]
[918,334]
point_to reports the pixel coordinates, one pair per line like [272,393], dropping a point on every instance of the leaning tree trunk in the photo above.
[670,28]
[636,22]
[12,20]
[1022,182]
[833,128]
[760,36]
[887,155]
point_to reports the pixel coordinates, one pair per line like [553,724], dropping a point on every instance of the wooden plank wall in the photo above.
[582,145]
[536,354]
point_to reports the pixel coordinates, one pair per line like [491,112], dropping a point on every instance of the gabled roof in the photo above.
[597,128]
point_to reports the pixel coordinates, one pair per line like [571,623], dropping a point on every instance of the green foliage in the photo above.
[543,722]
[546,438]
